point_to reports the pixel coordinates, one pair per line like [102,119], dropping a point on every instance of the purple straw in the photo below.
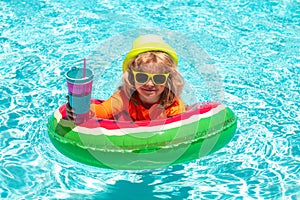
[84,68]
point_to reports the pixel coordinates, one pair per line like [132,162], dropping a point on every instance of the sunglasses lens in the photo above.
[159,79]
[141,78]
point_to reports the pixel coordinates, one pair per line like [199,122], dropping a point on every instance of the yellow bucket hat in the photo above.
[147,43]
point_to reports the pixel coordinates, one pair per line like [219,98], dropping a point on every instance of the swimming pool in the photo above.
[243,53]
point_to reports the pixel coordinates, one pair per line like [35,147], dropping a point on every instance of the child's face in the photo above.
[149,92]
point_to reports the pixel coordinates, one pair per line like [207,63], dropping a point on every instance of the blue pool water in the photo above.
[243,53]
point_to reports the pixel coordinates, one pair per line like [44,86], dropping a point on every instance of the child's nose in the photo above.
[150,82]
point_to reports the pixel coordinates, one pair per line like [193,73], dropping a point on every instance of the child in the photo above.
[151,85]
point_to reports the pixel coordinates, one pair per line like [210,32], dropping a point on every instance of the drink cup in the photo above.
[80,82]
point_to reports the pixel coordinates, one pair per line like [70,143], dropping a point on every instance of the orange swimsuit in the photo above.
[120,108]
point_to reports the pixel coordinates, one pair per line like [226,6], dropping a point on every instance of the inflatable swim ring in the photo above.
[203,129]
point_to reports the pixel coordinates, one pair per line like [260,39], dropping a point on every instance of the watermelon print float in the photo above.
[203,129]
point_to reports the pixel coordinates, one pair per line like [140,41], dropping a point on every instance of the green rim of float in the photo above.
[202,130]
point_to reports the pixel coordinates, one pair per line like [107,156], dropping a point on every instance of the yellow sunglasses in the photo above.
[143,77]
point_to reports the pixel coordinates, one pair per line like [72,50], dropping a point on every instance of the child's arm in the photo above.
[176,108]
[108,108]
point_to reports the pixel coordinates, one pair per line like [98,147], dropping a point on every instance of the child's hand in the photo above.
[70,111]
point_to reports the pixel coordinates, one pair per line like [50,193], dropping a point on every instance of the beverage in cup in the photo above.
[80,82]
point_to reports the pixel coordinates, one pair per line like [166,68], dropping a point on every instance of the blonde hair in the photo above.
[155,62]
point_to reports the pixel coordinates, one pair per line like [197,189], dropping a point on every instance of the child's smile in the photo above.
[149,93]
